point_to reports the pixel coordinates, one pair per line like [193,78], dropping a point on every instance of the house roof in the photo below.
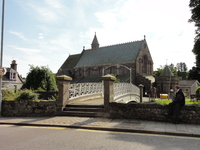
[114,54]
[5,77]
[166,72]
[187,83]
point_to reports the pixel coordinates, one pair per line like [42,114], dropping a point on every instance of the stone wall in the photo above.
[142,111]
[26,108]
[153,112]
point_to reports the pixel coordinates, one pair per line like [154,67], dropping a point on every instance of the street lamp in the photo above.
[118,67]
[1,62]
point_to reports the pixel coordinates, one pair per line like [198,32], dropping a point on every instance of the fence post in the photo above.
[108,81]
[63,91]
[141,92]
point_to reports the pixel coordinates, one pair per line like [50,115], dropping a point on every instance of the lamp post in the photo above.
[1,62]
[119,66]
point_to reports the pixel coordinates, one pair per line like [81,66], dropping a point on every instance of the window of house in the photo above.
[12,76]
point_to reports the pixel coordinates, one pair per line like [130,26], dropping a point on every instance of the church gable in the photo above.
[144,60]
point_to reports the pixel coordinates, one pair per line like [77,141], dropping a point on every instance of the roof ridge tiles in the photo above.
[118,44]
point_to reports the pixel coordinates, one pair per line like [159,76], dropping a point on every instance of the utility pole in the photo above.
[1,62]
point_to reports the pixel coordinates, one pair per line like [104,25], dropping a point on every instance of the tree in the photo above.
[158,71]
[181,67]
[194,74]
[182,70]
[40,78]
[195,10]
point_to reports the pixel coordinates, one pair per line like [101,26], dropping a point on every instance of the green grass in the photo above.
[169,101]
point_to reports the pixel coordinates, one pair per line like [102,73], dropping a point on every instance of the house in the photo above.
[11,79]
[130,62]
[189,86]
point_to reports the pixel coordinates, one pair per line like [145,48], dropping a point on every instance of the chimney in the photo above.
[14,65]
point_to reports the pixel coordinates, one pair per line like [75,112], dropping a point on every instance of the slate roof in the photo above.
[71,61]
[166,72]
[5,77]
[187,83]
[121,53]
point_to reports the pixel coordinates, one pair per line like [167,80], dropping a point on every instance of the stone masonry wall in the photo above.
[142,111]
[153,112]
[26,108]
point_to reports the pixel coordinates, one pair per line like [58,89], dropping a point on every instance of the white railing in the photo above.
[121,89]
[81,89]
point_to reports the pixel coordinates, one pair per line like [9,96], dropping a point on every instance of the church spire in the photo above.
[95,43]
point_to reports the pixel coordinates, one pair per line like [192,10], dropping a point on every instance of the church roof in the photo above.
[166,72]
[71,61]
[114,54]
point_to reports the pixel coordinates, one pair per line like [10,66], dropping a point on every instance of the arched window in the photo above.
[144,65]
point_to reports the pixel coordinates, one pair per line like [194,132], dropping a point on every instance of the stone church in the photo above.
[129,62]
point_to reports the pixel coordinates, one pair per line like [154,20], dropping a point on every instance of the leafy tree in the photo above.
[181,67]
[182,75]
[195,10]
[182,70]
[40,78]
[158,71]
[194,74]
[197,90]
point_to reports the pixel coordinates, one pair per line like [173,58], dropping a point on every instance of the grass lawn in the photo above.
[169,101]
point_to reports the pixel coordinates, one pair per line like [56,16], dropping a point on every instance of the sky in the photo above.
[46,32]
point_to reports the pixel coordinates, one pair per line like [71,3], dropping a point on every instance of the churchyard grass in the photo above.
[187,102]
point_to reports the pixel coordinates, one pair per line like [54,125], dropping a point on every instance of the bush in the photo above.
[197,90]
[54,97]
[27,95]
[8,95]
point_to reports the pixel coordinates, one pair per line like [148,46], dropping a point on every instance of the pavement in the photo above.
[105,124]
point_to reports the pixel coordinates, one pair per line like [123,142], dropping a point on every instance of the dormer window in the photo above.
[12,76]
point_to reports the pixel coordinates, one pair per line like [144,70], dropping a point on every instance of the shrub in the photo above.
[197,90]
[8,95]
[54,97]
[27,95]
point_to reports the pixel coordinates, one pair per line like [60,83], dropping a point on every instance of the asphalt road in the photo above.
[49,138]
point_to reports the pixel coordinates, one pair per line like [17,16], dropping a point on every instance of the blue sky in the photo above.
[45,32]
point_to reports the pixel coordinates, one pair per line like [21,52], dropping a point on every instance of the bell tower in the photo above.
[95,43]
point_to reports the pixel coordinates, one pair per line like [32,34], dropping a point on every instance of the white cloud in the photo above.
[26,50]
[19,35]
[41,36]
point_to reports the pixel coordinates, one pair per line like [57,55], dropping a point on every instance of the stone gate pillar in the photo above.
[108,81]
[63,91]
[141,92]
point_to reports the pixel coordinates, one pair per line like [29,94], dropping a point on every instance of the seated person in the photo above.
[175,106]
